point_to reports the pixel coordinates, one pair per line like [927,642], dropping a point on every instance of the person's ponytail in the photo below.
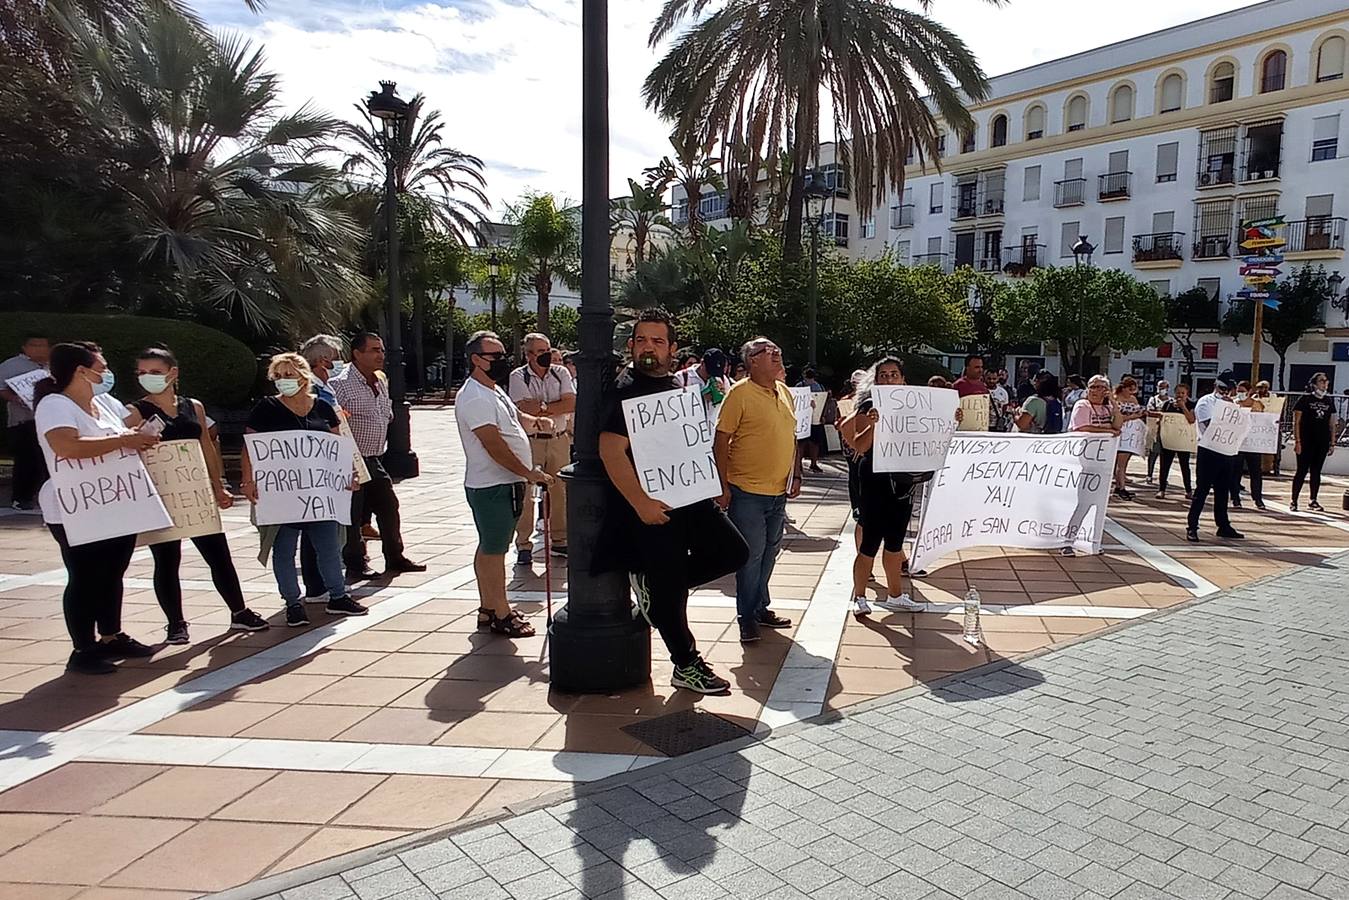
[65,361]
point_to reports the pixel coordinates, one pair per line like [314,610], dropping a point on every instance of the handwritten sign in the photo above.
[1274,404]
[1178,434]
[362,470]
[1018,490]
[1227,429]
[671,442]
[107,496]
[817,402]
[1264,434]
[915,427]
[846,407]
[801,398]
[1133,437]
[974,413]
[24,385]
[178,469]
[302,476]
[1154,432]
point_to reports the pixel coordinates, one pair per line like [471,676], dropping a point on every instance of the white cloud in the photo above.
[507,73]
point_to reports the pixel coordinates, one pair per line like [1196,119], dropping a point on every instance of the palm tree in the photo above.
[755,70]
[547,246]
[641,216]
[691,169]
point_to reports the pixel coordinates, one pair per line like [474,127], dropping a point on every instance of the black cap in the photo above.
[1224,381]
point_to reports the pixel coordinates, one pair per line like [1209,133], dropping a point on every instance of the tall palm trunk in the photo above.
[543,286]
[449,343]
[419,340]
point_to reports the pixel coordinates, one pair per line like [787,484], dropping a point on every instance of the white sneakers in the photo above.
[902,603]
[861,607]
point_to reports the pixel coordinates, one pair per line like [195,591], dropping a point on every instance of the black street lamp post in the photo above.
[493,270]
[815,193]
[394,114]
[1082,251]
[597,643]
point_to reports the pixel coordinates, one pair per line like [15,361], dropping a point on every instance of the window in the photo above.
[990,251]
[1163,222]
[967,142]
[1114,235]
[1173,90]
[934,201]
[712,206]
[1213,229]
[1121,104]
[1263,207]
[1072,169]
[1222,87]
[902,251]
[1264,144]
[992,192]
[1067,237]
[1320,206]
[1077,113]
[1273,72]
[933,250]
[836,226]
[1163,287]
[1168,156]
[869,227]
[999,138]
[1119,162]
[1330,59]
[1325,138]
[1035,122]
[1217,156]
[941,145]
[1212,286]
[1031,191]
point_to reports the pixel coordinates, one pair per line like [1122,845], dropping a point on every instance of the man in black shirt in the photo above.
[666,551]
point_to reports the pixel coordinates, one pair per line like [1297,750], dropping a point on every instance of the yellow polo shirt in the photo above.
[762,426]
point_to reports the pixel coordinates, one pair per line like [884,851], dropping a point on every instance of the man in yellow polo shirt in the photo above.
[756,453]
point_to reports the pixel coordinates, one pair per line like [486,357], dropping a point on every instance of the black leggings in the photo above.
[1167,457]
[884,514]
[93,594]
[1309,461]
[215,549]
[1251,463]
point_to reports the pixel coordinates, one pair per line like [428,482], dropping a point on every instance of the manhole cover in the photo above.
[685,731]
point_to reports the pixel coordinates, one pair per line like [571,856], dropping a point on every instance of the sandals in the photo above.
[513,624]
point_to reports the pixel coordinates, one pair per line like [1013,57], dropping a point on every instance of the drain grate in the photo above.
[685,731]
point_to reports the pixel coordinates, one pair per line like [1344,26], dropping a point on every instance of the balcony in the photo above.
[1213,246]
[901,216]
[1226,174]
[1164,250]
[991,203]
[1070,192]
[1019,261]
[1316,237]
[988,264]
[1113,186]
[940,260]
[965,201]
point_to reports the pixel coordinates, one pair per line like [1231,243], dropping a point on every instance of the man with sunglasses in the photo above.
[760,466]
[544,387]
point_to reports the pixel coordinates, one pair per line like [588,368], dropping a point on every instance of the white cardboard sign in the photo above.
[1133,437]
[107,496]
[302,476]
[1178,433]
[915,427]
[1018,490]
[25,384]
[1227,429]
[975,412]
[671,442]
[1264,434]
[178,469]
[801,399]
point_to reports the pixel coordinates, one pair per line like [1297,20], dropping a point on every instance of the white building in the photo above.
[1155,148]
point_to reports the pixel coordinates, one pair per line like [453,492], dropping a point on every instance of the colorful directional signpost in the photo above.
[1262,239]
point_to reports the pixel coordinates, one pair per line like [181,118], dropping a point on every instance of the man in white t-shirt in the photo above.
[542,388]
[497,468]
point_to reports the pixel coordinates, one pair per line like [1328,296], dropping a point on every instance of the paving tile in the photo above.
[212,856]
[301,797]
[76,787]
[51,857]
[415,801]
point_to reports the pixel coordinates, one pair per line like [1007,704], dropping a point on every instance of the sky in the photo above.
[506,74]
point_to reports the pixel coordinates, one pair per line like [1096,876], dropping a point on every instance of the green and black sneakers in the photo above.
[698,676]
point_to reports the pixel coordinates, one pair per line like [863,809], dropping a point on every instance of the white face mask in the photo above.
[1319,392]
[288,387]
[338,368]
[1240,396]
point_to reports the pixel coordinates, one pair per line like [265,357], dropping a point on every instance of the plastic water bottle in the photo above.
[972,633]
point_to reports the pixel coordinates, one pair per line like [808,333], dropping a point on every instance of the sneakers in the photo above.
[296,617]
[23,506]
[524,558]
[317,598]
[641,596]
[1292,507]
[902,603]
[1315,507]
[89,662]
[247,620]
[345,606]
[560,550]
[1230,533]
[698,676]
[177,634]
[1192,535]
[749,631]
[124,646]
[769,619]
[1067,551]
[861,608]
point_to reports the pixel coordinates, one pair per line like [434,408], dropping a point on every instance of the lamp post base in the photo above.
[401,464]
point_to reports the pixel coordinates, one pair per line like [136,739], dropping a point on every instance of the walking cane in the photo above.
[548,552]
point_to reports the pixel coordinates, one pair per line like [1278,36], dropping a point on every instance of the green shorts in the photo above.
[496,509]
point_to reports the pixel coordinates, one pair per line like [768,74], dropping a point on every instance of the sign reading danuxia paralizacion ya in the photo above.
[302,476]
[671,442]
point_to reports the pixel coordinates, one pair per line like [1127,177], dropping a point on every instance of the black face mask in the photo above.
[499,369]
[543,360]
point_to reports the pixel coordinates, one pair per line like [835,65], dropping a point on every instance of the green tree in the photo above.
[907,309]
[1083,309]
[691,169]
[640,216]
[435,265]
[757,72]
[1302,299]
[1188,313]
[547,245]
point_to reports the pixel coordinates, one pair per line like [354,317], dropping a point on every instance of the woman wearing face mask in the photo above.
[1126,402]
[71,424]
[182,418]
[1313,427]
[1181,404]
[295,408]
[1250,462]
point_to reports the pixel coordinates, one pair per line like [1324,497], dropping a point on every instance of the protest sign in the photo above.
[817,401]
[1178,434]
[974,413]
[915,427]
[1264,434]
[846,407]
[178,469]
[672,447]
[107,496]
[1227,429]
[801,399]
[1274,404]
[1154,432]
[25,384]
[1017,490]
[1133,438]
[362,470]
[301,476]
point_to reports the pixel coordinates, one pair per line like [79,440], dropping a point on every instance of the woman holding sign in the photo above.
[72,427]
[1245,459]
[295,408]
[178,418]
[1313,428]
[1130,410]
[1181,405]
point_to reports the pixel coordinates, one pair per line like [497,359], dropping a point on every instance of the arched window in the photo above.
[1223,85]
[1035,123]
[999,131]
[967,141]
[1173,90]
[1122,104]
[1077,113]
[1274,72]
[1330,59]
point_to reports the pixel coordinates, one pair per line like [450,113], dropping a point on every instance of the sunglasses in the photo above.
[490,355]
[771,351]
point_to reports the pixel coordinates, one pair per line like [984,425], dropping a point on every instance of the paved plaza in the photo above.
[248,756]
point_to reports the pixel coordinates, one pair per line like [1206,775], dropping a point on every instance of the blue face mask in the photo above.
[109,380]
[338,367]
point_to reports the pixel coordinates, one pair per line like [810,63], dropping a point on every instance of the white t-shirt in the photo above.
[476,406]
[1203,410]
[59,411]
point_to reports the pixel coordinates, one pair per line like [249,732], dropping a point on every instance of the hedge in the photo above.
[215,368]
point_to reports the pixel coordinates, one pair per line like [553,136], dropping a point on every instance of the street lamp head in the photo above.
[494,265]
[816,192]
[1336,281]
[1082,250]
[1337,300]
[387,106]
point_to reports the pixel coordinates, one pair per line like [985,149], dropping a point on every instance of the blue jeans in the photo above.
[760,519]
[327,540]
